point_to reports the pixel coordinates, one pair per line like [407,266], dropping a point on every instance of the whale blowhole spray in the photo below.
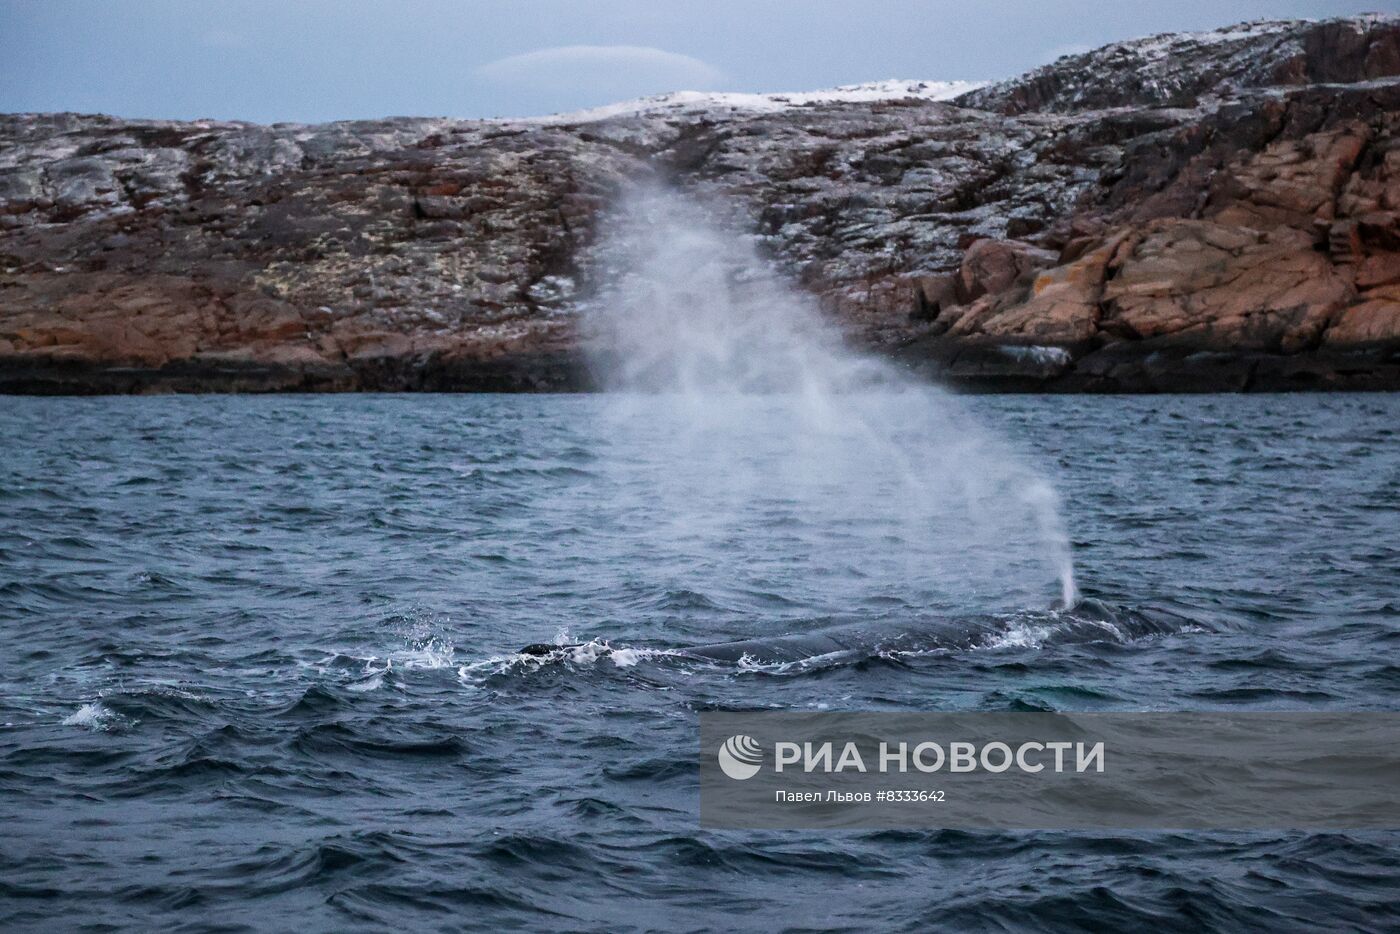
[733,405]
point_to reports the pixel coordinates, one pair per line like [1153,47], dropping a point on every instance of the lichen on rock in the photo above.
[1208,211]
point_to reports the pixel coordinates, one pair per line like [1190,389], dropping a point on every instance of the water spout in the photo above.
[740,405]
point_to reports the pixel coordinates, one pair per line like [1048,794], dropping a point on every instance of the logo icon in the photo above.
[740,757]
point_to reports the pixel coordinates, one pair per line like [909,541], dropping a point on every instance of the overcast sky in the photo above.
[311,60]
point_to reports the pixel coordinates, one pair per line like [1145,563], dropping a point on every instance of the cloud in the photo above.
[608,72]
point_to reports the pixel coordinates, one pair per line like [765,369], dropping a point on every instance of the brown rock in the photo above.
[1183,212]
[1062,306]
[995,265]
[1367,323]
[1377,270]
[1292,182]
[1201,280]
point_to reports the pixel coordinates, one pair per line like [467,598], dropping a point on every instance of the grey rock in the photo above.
[454,254]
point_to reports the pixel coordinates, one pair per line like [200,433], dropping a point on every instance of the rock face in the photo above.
[1215,263]
[1217,211]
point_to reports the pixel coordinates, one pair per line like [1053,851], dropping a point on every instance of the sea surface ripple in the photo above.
[258,668]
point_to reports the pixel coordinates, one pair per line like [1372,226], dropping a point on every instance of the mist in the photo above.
[732,405]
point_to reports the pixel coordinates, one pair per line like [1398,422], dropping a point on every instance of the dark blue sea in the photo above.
[259,670]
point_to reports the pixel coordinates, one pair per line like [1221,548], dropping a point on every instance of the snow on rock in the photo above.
[694,102]
[1178,69]
[1088,208]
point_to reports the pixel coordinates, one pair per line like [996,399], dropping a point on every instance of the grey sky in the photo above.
[270,60]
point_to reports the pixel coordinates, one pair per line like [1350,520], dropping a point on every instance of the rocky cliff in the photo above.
[1209,211]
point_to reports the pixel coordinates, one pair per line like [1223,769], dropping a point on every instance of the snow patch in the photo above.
[689,102]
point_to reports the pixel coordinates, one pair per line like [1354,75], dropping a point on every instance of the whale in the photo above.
[1088,621]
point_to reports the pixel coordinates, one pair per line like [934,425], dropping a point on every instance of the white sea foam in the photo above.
[1057,626]
[429,654]
[575,655]
[1019,636]
[596,650]
[95,716]
[747,664]
[626,658]
[364,685]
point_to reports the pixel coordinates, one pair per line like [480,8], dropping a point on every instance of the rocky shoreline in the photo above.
[1207,212]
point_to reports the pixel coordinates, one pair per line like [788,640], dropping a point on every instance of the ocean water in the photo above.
[258,668]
